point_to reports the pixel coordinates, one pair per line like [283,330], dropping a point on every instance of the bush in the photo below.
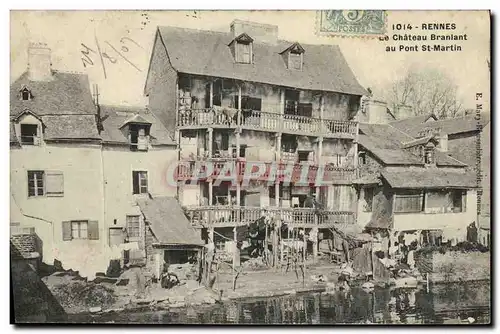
[464,247]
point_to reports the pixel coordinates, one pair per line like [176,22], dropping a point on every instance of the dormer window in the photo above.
[294,57]
[26,94]
[29,134]
[295,61]
[242,49]
[429,155]
[139,137]
[243,53]
[138,132]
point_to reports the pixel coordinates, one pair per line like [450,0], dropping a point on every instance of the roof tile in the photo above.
[324,67]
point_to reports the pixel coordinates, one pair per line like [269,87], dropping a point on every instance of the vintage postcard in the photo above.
[250,167]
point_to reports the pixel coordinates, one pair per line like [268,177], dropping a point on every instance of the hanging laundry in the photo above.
[411,237]
[411,259]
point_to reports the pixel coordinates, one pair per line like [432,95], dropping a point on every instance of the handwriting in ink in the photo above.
[126,43]
[86,59]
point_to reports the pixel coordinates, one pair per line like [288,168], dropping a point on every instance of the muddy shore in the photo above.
[76,295]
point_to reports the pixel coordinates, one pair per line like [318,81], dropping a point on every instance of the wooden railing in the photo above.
[266,121]
[331,175]
[232,215]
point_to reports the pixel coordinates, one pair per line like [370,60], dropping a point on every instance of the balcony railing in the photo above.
[265,121]
[330,174]
[231,216]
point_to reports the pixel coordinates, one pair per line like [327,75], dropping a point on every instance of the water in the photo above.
[444,304]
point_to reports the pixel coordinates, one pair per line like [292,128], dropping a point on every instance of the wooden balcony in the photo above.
[226,216]
[265,121]
[331,175]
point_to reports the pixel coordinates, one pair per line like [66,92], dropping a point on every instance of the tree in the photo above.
[426,91]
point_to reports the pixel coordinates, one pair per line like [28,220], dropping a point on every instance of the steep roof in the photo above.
[205,52]
[429,178]
[114,117]
[66,93]
[386,143]
[168,221]
[419,141]
[414,125]
[70,127]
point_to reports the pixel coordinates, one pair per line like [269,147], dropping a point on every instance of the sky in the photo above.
[127,38]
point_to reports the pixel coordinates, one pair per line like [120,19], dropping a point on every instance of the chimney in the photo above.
[443,142]
[404,111]
[373,112]
[264,33]
[39,65]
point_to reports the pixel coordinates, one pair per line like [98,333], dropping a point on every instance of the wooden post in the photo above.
[238,121]
[211,93]
[321,106]
[319,162]
[238,183]
[236,253]
[282,110]
[278,157]
[210,141]
[315,231]
[210,193]
[305,247]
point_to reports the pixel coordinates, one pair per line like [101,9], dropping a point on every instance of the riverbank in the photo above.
[464,303]
[76,295]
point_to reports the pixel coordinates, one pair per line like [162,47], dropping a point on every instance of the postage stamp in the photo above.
[168,167]
[352,22]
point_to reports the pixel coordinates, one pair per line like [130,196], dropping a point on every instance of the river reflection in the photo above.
[443,304]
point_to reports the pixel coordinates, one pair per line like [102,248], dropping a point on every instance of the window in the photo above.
[133,226]
[242,151]
[140,182]
[286,193]
[243,53]
[304,109]
[36,183]
[25,94]
[429,155]
[49,183]
[29,134]
[291,102]
[139,137]
[79,230]
[248,103]
[295,61]
[458,199]
[368,199]
[289,143]
[408,201]
[444,201]
[362,158]
[304,156]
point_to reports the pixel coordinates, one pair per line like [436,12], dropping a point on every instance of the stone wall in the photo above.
[455,266]
[26,245]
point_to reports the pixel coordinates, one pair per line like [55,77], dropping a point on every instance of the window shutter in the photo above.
[464,200]
[93,230]
[66,230]
[135,180]
[54,183]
